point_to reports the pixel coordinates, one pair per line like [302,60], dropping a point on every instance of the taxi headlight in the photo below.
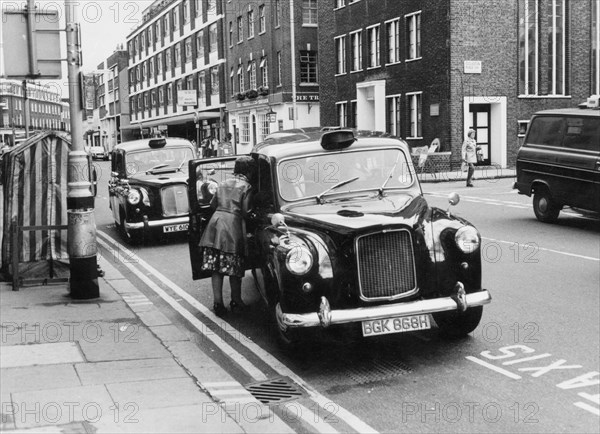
[299,260]
[134,197]
[467,239]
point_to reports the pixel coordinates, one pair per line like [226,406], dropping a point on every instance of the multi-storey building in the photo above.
[45,108]
[272,76]
[423,70]
[176,67]
[111,102]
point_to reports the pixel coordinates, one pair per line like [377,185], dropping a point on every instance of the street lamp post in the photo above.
[81,226]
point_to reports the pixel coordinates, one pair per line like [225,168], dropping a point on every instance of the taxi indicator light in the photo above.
[334,140]
[157,143]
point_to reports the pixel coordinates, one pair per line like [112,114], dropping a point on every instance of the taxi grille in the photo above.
[174,200]
[386,267]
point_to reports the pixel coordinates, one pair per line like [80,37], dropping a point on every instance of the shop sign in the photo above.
[472,66]
[307,97]
[186,98]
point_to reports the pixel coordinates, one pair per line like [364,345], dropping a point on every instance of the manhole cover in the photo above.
[275,390]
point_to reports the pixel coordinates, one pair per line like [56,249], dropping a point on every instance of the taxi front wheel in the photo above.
[456,325]
[545,209]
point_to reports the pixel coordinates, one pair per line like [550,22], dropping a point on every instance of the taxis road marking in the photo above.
[345,415]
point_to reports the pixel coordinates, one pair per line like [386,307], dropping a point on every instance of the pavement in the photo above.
[118,364]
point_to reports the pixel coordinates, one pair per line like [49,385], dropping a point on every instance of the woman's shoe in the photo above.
[469,185]
[220,310]
[238,307]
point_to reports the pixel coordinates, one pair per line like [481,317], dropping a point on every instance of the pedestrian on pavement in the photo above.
[469,155]
[223,243]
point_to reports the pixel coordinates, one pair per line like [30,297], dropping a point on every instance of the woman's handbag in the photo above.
[479,153]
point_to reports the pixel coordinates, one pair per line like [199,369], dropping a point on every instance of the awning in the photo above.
[172,120]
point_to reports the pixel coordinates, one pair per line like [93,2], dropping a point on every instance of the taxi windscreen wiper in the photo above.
[333,187]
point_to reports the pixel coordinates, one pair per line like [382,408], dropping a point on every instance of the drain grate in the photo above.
[376,370]
[275,390]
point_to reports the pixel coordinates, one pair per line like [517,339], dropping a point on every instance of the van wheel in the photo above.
[545,209]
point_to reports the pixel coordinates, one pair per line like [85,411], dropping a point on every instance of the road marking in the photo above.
[313,419]
[588,407]
[350,419]
[590,258]
[199,325]
[494,367]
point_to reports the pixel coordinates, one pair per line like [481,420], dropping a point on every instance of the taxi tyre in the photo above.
[288,340]
[455,325]
[545,209]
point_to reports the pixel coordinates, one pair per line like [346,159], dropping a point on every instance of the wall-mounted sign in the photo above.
[472,66]
[307,97]
[434,110]
[186,97]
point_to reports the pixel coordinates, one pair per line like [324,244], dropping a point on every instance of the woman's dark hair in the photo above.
[244,165]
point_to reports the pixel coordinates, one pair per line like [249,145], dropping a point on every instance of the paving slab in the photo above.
[169,333]
[40,354]
[158,393]
[61,406]
[154,318]
[128,370]
[38,378]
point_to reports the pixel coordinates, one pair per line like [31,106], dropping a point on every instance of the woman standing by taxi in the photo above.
[223,242]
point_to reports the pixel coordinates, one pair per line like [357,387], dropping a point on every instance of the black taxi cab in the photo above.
[148,187]
[341,235]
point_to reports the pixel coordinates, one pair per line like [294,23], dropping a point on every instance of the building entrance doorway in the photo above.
[480,121]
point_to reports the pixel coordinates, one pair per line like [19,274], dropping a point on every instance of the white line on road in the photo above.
[590,258]
[349,418]
[587,407]
[494,367]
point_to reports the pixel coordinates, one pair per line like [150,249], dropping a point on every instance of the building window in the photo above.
[144,71]
[214,80]
[414,114]
[245,129]
[159,68]
[161,96]
[177,54]
[277,13]
[202,88]
[169,94]
[342,113]
[250,23]
[413,35]
[557,16]
[240,29]
[153,99]
[354,106]
[232,81]
[264,72]
[279,68]
[595,48]
[356,41]
[230,34]
[264,127]
[308,67]
[186,12]
[240,74]
[309,12]
[212,7]
[528,47]
[252,74]
[189,82]
[340,3]
[340,53]
[200,45]
[176,18]
[393,115]
[168,59]
[151,67]
[393,38]
[212,37]
[198,7]
[167,25]
[262,24]
[374,58]
[188,49]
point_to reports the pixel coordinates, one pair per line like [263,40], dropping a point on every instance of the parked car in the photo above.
[341,236]
[99,153]
[148,187]
[559,161]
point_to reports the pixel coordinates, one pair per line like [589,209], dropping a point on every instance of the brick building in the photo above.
[424,70]
[45,108]
[272,76]
[176,67]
